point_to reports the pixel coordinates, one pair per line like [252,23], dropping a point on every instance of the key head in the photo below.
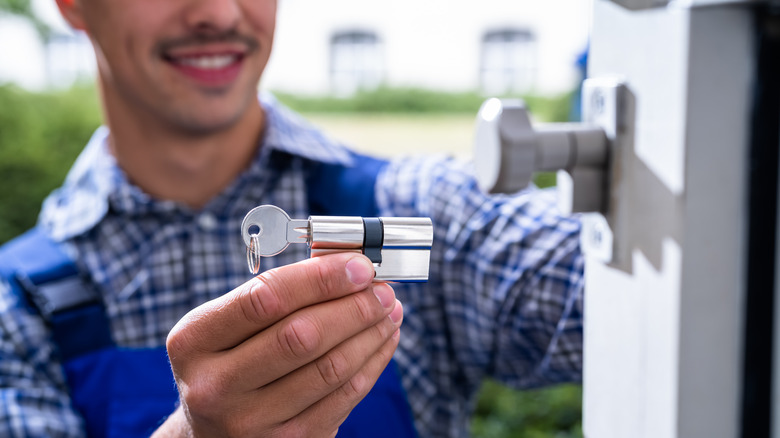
[269,222]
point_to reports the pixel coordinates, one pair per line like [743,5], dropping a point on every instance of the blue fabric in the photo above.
[36,258]
[122,392]
[329,183]
[130,392]
[80,331]
[35,261]
[384,413]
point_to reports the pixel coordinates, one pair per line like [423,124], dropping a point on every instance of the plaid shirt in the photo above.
[504,298]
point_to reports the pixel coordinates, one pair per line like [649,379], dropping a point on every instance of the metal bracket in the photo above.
[606,104]
[587,156]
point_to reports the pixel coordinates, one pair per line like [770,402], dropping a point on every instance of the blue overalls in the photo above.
[123,392]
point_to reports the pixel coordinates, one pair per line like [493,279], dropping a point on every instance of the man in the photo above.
[147,222]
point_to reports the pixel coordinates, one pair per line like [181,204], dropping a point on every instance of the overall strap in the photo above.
[118,392]
[49,280]
[345,190]
[336,189]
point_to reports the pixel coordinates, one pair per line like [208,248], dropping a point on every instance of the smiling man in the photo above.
[178,83]
[135,276]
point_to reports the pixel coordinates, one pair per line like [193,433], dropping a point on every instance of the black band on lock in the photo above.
[373,238]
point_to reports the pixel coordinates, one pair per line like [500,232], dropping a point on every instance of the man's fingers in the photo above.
[319,419]
[315,380]
[323,413]
[307,335]
[350,369]
[257,304]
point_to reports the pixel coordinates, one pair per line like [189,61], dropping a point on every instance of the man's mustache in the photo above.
[200,39]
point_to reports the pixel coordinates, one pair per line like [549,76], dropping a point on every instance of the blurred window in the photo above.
[355,61]
[508,62]
[69,59]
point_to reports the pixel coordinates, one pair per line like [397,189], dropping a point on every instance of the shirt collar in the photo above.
[95,183]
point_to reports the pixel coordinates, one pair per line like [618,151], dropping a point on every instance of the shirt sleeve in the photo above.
[34,398]
[506,279]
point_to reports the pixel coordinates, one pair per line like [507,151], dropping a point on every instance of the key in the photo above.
[399,247]
[273,230]
[267,231]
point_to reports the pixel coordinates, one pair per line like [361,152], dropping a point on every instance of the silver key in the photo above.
[272,230]
[399,247]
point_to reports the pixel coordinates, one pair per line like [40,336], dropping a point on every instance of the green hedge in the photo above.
[386,100]
[41,135]
[554,412]
[414,100]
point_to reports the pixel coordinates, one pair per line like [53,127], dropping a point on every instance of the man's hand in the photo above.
[289,353]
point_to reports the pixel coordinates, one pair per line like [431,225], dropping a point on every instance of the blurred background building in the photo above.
[496,47]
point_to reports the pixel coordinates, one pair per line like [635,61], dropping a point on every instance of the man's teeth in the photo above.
[212,62]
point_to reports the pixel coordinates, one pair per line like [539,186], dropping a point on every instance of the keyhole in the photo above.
[254,230]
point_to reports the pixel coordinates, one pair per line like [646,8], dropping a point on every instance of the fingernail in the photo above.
[359,270]
[384,293]
[398,312]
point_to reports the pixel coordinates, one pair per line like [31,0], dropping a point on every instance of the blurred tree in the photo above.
[554,412]
[23,8]
[40,136]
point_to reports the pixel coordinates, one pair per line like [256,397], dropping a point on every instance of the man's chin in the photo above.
[197,122]
[201,126]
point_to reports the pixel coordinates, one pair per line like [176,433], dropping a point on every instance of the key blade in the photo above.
[298,231]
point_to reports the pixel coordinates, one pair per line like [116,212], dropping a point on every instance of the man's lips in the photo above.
[213,61]
[211,69]
[207,62]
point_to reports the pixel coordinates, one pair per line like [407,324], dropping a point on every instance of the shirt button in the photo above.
[207,221]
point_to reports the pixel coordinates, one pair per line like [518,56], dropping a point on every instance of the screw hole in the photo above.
[597,236]
[254,230]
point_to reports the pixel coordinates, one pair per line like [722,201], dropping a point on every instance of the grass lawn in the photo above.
[388,135]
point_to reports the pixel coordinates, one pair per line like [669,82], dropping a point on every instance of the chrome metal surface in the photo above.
[336,232]
[407,232]
[316,252]
[403,265]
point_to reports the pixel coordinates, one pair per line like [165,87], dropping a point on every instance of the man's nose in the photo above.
[213,16]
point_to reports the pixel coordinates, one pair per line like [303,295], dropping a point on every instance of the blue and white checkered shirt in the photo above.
[504,298]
